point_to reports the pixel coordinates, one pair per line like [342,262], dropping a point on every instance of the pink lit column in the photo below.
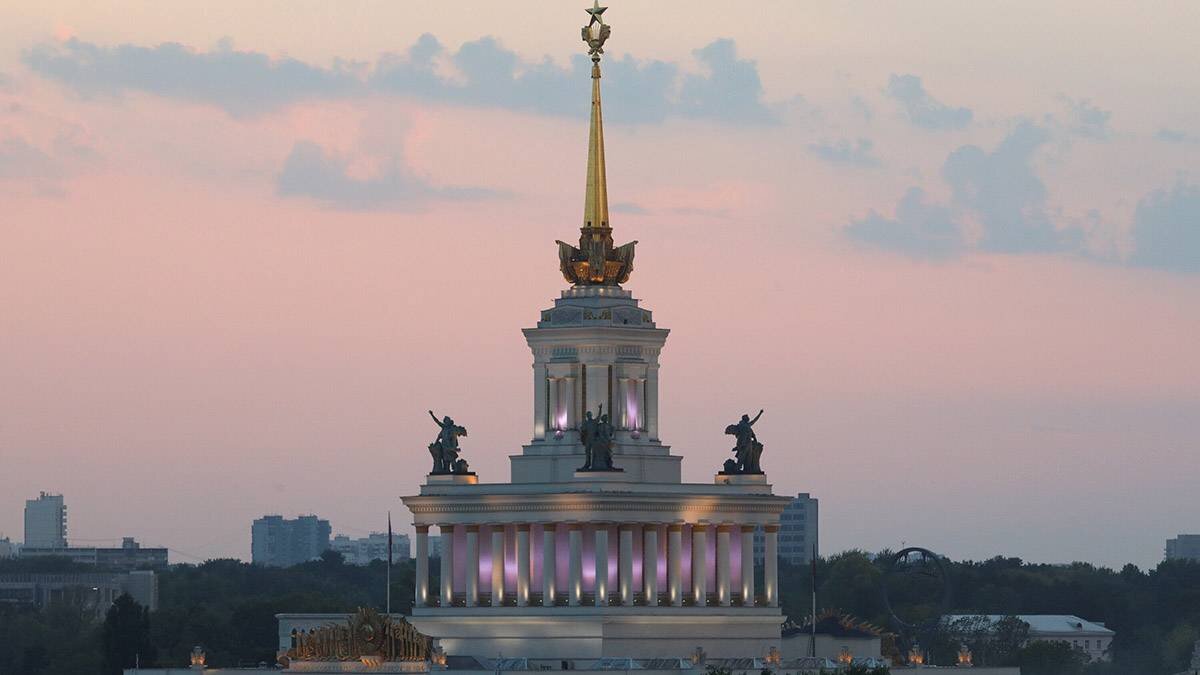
[625,560]
[723,590]
[675,563]
[771,564]
[472,567]
[447,535]
[650,564]
[748,565]
[422,598]
[549,563]
[523,565]
[700,564]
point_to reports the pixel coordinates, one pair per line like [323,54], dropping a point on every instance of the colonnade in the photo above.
[606,591]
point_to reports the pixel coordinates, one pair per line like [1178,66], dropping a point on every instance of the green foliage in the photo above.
[715,670]
[60,641]
[1051,658]
[125,636]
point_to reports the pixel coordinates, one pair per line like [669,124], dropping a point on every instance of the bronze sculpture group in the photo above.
[596,434]
[445,447]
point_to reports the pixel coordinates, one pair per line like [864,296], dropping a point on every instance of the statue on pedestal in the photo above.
[444,448]
[748,450]
[596,433]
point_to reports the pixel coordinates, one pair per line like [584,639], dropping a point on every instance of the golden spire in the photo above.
[595,261]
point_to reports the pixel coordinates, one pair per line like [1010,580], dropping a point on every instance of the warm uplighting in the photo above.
[198,657]
[774,658]
[916,657]
[965,657]
[844,656]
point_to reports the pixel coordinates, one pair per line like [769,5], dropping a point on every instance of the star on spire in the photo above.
[595,11]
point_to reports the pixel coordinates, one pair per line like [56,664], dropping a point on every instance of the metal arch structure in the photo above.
[908,631]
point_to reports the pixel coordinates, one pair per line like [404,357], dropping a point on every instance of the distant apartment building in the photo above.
[46,522]
[128,557]
[8,549]
[363,550]
[91,592]
[1184,547]
[279,542]
[797,532]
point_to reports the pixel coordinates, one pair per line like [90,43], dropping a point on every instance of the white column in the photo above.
[567,392]
[748,565]
[625,564]
[422,593]
[771,564]
[447,534]
[675,563]
[601,565]
[650,564]
[472,565]
[548,564]
[700,564]
[497,565]
[575,585]
[553,407]
[539,402]
[651,402]
[723,590]
[523,565]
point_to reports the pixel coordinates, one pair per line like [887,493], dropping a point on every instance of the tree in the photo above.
[125,636]
[1051,657]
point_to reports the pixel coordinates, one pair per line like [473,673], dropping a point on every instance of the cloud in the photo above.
[1001,189]
[239,82]
[310,171]
[998,192]
[19,159]
[919,230]
[629,208]
[859,153]
[1166,230]
[1175,136]
[1088,120]
[485,74]
[922,109]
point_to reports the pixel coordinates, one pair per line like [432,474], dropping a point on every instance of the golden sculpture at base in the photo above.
[596,261]
[367,636]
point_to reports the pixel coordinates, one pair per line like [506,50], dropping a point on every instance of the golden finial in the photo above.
[596,261]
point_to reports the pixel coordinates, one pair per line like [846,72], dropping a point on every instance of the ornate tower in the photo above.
[596,350]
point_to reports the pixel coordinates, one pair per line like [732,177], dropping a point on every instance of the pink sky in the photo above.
[224,296]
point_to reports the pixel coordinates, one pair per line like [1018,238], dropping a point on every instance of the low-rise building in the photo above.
[1184,547]
[129,556]
[8,548]
[1090,637]
[92,592]
[374,546]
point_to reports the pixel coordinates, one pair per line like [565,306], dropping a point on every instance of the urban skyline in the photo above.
[960,250]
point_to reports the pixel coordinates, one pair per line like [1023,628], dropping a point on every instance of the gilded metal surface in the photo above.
[596,261]
[367,636]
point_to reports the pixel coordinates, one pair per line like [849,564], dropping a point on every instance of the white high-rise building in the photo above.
[363,550]
[45,522]
[1183,547]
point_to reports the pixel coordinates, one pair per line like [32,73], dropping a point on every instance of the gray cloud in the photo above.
[240,82]
[310,171]
[859,153]
[1175,136]
[998,190]
[922,109]
[1008,198]
[20,159]
[1088,120]
[629,207]
[1166,230]
[919,230]
[247,82]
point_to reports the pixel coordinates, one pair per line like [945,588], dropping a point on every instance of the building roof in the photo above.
[1048,623]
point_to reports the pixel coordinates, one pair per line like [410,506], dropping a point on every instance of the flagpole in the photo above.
[813,641]
[389,566]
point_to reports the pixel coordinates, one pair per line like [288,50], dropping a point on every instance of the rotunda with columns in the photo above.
[565,563]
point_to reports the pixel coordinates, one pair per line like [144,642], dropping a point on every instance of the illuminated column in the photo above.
[472,565]
[771,564]
[575,585]
[700,564]
[567,392]
[748,565]
[650,563]
[625,564]
[523,565]
[548,564]
[601,565]
[651,403]
[723,590]
[422,597]
[675,563]
[539,402]
[554,407]
[447,534]
[497,565]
